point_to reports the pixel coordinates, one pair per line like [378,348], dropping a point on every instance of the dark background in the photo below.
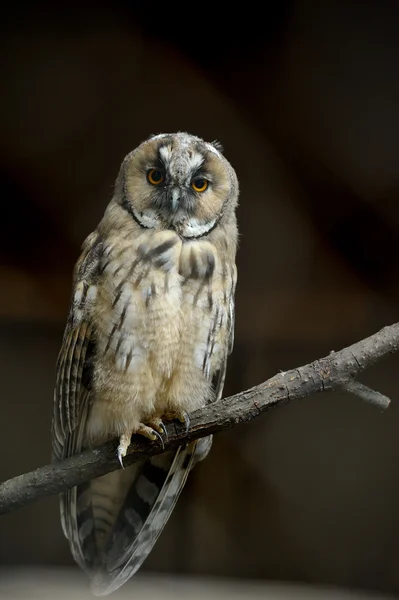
[304,96]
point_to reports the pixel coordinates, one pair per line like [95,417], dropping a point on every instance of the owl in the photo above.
[147,338]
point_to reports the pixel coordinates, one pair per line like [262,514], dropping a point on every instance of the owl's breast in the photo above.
[162,314]
[139,305]
[161,329]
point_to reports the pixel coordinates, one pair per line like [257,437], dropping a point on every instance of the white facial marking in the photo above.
[195,161]
[165,153]
[194,229]
[147,219]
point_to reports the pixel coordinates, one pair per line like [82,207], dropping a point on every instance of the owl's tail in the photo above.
[113,522]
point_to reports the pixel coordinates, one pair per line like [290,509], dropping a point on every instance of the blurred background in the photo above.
[304,96]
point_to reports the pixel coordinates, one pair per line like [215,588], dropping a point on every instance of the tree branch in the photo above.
[336,371]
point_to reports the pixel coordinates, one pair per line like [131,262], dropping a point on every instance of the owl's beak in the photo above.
[174,198]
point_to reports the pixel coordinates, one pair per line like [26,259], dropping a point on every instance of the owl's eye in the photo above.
[199,184]
[155,177]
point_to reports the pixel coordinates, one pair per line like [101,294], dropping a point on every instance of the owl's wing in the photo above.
[226,311]
[73,379]
[218,377]
[156,485]
[74,360]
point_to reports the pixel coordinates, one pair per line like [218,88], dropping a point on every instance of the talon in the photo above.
[159,436]
[164,431]
[182,416]
[150,433]
[146,431]
[121,455]
[159,426]
[124,443]
[186,420]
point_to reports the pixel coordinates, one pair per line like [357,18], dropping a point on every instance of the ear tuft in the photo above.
[216,144]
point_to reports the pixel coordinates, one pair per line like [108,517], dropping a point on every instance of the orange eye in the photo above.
[199,184]
[155,177]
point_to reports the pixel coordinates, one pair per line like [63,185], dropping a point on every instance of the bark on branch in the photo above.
[338,370]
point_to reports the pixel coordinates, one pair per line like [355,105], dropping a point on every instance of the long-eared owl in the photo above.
[147,338]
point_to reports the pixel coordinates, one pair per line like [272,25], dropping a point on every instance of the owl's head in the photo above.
[178,181]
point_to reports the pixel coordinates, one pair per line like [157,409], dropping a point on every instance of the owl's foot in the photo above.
[181,416]
[125,439]
[124,443]
[159,426]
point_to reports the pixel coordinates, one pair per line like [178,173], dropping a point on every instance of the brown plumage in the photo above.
[146,341]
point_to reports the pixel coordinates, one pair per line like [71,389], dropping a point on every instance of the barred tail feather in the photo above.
[146,510]
[113,522]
